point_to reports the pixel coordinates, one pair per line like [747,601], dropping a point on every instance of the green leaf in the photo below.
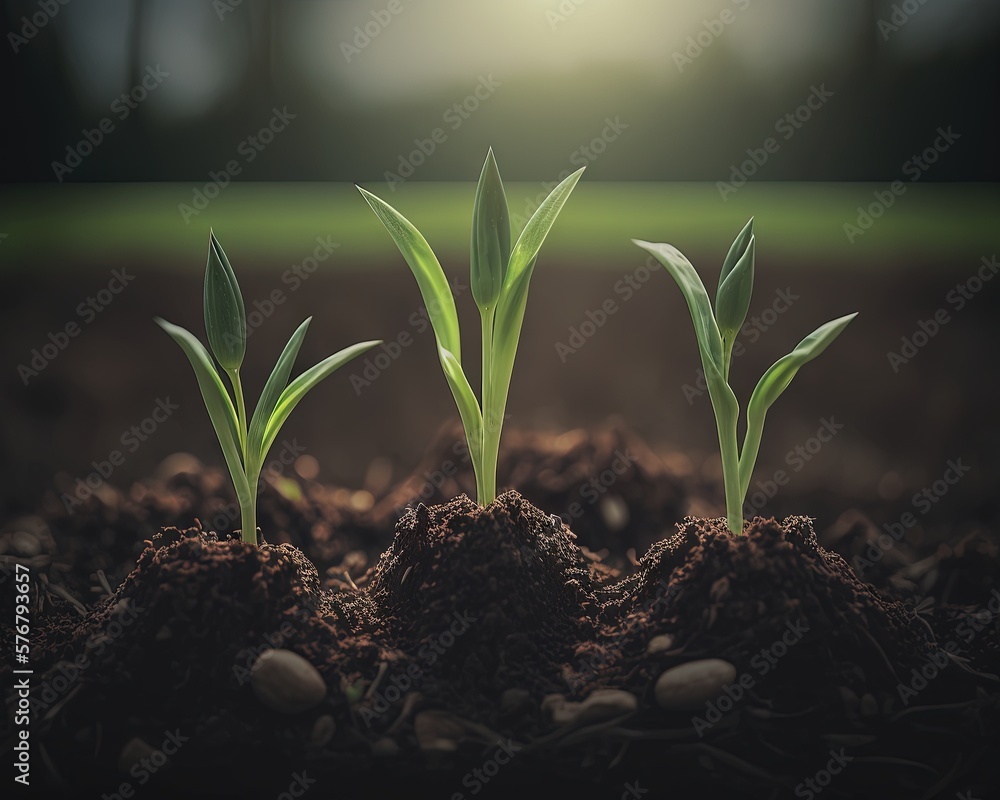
[775,381]
[733,298]
[468,406]
[427,270]
[220,407]
[297,389]
[269,399]
[537,228]
[736,249]
[706,329]
[507,334]
[724,402]
[514,295]
[225,316]
[490,236]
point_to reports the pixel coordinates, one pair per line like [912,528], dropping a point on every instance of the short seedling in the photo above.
[499,275]
[716,333]
[245,447]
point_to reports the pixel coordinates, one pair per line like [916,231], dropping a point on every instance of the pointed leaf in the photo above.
[733,298]
[538,227]
[297,389]
[706,329]
[225,316]
[269,398]
[490,236]
[220,407]
[775,381]
[736,249]
[507,334]
[434,287]
[465,399]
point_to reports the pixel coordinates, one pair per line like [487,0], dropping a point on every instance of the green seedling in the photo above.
[716,333]
[500,275]
[245,445]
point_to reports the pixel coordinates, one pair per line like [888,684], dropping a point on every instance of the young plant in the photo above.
[716,333]
[245,445]
[499,276]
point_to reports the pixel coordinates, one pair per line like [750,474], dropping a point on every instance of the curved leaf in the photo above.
[706,329]
[733,298]
[507,334]
[269,397]
[297,389]
[736,249]
[537,228]
[775,381]
[468,406]
[220,407]
[426,269]
[490,249]
[225,316]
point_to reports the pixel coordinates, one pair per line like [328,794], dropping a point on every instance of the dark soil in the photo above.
[605,483]
[487,649]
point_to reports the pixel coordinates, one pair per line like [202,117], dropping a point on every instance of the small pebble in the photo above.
[284,681]
[323,729]
[600,705]
[26,544]
[659,644]
[133,752]
[689,686]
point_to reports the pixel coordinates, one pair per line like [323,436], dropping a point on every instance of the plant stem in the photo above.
[731,474]
[248,518]
[241,410]
[751,446]
[487,491]
[248,497]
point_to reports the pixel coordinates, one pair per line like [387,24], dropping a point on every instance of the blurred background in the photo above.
[861,134]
